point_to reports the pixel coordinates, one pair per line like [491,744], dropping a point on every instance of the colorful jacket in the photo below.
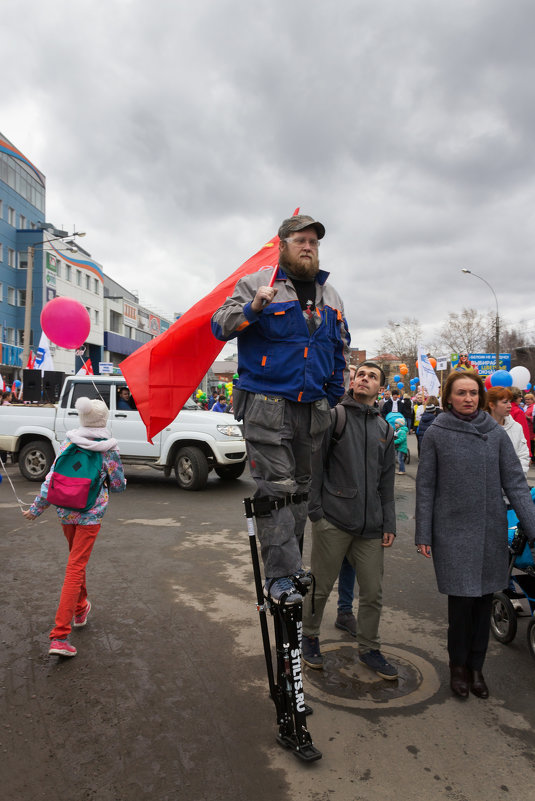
[277,354]
[111,467]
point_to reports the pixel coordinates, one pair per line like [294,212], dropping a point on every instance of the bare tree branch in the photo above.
[401,339]
[467,330]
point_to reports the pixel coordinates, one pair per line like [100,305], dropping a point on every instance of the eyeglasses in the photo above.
[301,241]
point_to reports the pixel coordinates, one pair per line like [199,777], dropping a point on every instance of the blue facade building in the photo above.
[55,271]
[119,324]
[22,216]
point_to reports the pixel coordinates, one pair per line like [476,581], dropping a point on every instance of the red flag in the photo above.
[163,373]
[31,361]
[86,368]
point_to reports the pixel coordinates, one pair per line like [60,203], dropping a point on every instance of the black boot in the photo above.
[459,680]
[478,685]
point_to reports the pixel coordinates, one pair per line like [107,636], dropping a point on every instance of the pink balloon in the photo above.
[66,322]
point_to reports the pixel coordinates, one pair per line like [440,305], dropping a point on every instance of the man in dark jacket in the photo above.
[392,404]
[353,514]
[405,406]
[400,404]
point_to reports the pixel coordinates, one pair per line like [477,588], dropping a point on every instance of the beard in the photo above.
[305,268]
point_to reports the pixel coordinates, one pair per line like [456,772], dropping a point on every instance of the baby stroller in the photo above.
[520,592]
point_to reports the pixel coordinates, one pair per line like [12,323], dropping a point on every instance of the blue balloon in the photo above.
[528,386]
[501,378]
[397,378]
[17,383]
[400,384]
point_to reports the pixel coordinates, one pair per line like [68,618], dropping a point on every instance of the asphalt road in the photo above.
[167,698]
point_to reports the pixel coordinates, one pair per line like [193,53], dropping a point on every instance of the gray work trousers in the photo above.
[280,437]
[329,546]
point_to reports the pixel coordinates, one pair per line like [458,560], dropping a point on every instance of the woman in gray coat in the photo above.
[465,461]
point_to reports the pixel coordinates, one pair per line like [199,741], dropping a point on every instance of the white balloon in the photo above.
[521,376]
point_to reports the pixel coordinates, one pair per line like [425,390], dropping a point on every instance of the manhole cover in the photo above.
[345,679]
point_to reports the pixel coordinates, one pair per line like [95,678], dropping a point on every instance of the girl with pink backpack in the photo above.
[80,524]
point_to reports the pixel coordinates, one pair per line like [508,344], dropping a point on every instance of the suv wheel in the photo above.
[35,460]
[191,469]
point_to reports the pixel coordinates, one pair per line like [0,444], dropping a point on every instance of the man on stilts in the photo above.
[293,345]
[292,353]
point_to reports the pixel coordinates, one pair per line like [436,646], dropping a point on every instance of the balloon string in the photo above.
[20,503]
[92,381]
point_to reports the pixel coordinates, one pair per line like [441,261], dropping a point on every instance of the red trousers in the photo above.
[74,594]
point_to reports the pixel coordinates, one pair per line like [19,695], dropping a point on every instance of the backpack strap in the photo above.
[339,418]
[339,415]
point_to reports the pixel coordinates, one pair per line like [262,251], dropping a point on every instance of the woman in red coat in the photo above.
[529,408]
[518,414]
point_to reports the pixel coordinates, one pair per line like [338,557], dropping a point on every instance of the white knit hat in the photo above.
[93,413]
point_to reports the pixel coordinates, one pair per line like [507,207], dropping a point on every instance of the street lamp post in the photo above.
[29,288]
[497,333]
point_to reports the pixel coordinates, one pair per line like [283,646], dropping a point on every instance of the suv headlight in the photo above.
[230,431]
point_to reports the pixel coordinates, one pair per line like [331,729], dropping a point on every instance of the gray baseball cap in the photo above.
[297,223]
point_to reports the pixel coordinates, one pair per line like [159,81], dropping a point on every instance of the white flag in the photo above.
[43,359]
[428,377]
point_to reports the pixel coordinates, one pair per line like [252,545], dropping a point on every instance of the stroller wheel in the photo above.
[503,618]
[531,637]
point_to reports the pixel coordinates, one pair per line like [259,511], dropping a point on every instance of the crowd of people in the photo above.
[323,442]
[319,446]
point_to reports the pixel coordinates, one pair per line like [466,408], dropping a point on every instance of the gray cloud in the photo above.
[179,135]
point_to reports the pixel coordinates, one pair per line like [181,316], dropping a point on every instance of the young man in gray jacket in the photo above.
[353,514]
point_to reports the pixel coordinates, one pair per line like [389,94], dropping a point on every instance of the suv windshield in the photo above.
[190,404]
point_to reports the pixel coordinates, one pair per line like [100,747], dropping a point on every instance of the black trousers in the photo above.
[468,630]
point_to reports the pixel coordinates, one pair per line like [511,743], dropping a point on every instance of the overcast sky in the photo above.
[180,134]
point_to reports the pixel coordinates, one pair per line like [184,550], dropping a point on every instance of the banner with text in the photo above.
[485,362]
